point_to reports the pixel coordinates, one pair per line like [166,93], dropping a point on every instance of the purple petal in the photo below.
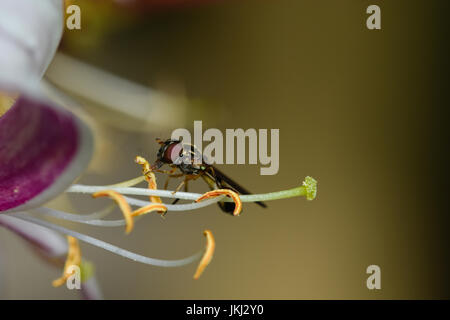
[43,148]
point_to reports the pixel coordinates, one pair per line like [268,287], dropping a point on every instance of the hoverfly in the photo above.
[192,164]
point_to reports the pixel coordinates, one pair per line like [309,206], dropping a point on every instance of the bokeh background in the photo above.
[358,110]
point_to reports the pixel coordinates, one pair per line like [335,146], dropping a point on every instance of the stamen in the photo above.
[177,207]
[149,176]
[123,205]
[73,259]
[78,188]
[149,208]
[73,218]
[107,246]
[207,256]
[128,183]
[228,192]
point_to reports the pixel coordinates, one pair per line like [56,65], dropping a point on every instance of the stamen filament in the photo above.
[127,183]
[77,188]
[123,205]
[92,219]
[176,207]
[108,246]
[74,217]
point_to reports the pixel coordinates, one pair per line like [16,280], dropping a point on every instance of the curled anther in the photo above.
[149,177]
[207,256]
[233,195]
[123,205]
[149,208]
[144,163]
[73,259]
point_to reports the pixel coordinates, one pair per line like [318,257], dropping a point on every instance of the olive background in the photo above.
[359,110]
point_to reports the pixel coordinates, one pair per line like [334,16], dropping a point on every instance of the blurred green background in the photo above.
[355,111]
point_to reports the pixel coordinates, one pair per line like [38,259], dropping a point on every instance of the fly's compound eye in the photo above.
[172,153]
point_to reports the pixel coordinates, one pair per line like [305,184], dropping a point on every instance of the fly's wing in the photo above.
[217,179]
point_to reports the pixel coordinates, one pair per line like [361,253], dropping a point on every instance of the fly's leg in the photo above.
[166,184]
[179,186]
[185,183]
[169,176]
[169,172]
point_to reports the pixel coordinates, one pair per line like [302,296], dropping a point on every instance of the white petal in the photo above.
[30,32]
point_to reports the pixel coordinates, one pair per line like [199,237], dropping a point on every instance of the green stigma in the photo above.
[310,185]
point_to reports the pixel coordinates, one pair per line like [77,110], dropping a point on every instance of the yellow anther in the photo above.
[73,259]
[149,177]
[144,163]
[207,256]
[149,208]
[227,192]
[123,205]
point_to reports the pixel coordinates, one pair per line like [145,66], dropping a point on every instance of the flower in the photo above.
[44,148]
